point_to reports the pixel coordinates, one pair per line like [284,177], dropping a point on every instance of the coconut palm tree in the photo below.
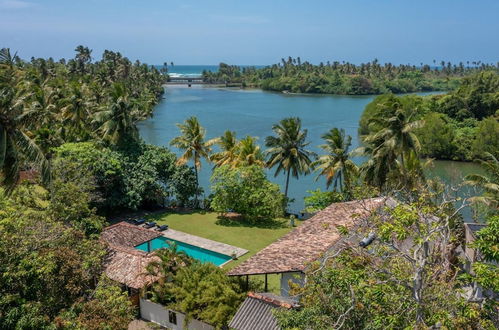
[115,121]
[336,165]
[228,149]
[162,269]
[75,111]
[391,147]
[17,147]
[168,261]
[489,183]
[192,142]
[249,153]
[287,149]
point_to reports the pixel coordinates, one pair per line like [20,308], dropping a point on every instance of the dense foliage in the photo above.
[49,270]
[406,278]
[124,180]
[247,191]
[460,125]
[200,291]
[294,76]
[205,292]
[44,103]
[319,200]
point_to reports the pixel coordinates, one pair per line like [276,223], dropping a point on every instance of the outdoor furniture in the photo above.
[162,227]
[138,221]
[150,224]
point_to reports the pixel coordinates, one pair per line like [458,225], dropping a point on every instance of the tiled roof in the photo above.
[274,299]
[305,244]
[255,313]
[126,234]
[124,263]
[127,266]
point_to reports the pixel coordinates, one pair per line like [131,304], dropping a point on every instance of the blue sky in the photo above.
[255,31]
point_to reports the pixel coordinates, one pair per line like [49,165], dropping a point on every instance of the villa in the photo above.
[291,255]
[130,248]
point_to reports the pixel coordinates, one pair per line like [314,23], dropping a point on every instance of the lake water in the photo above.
[253,112]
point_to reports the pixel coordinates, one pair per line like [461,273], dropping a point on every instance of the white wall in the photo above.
[157,313]
[296,277]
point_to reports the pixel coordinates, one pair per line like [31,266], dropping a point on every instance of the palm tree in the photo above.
[17,147]
[489,184]
[115,120]
[249,153]
[83,57]
[162,269]
[193,143]
[228,149]
[287,150]
[169,260]
[391,147]
[76,110]
[336,166]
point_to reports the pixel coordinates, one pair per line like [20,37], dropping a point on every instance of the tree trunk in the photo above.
[287,184]
[417,290]
[197,182]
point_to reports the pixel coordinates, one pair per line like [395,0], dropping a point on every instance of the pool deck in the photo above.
[204,243]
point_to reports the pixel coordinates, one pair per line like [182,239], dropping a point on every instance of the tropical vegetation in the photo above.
[200,291]
[293,75]
[246,191]
[461,125]
[70,154]
[287,150]
[408,277]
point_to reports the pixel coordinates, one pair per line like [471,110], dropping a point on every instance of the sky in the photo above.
[257,32]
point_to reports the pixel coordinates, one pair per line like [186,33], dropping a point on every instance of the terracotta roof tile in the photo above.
[126,234]
[127,266]
[305,244]
[124,263]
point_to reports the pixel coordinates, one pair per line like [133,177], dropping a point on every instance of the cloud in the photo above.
[15,4]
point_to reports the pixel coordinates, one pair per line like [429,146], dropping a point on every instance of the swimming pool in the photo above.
[195,252]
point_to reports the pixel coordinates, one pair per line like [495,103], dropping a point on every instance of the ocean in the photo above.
[195,70]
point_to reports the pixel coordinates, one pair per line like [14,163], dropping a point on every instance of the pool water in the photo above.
[195,252]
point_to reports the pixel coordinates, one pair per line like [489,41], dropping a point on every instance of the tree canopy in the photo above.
[247,191]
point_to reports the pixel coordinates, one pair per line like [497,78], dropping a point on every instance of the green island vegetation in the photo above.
[294,76]
[71,159]
[461,125]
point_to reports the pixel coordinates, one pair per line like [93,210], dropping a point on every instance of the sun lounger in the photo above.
[138,221]
[150,224]
[161,228]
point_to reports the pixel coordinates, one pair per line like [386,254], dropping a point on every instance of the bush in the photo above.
[319,200]
[487,138]
[436,137]
[247,191]
[143,178]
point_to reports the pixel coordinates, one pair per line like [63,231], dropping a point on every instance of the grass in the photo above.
[252,237]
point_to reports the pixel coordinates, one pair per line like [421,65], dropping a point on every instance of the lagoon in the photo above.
[253,112]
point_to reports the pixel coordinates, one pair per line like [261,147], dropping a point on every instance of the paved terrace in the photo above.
[204,243]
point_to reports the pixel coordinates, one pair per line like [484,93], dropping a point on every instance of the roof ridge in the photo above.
[270,300]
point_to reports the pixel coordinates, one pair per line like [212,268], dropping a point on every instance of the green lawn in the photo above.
[234,232]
